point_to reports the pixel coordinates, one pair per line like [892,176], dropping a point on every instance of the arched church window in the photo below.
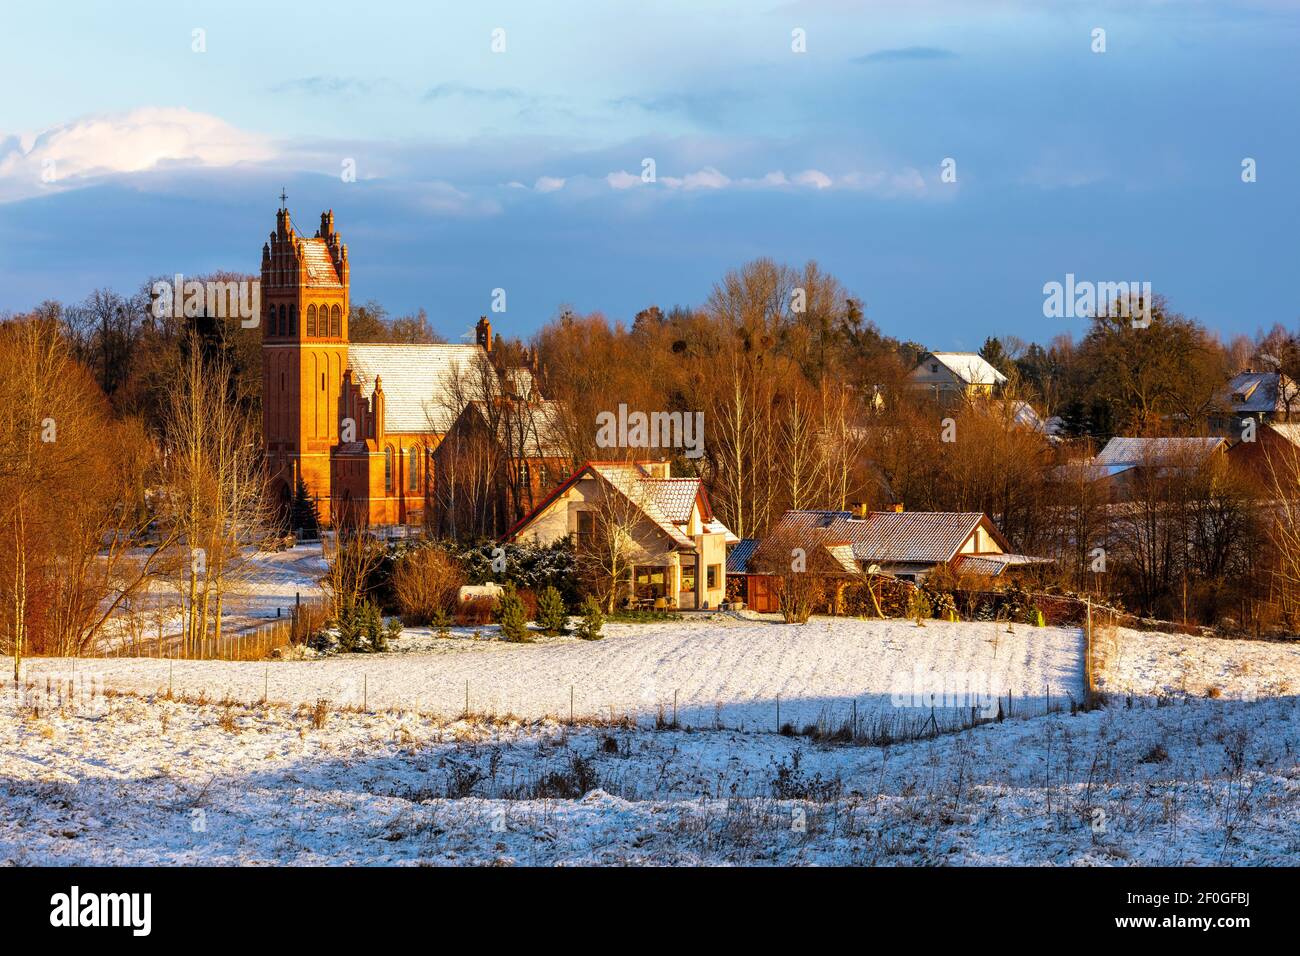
[388,468]
[336,321]
[279,325]
[293,320]
[311,320]
[413,467]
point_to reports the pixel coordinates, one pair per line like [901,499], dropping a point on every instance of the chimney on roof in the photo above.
[860,509]
[483,333]
[896,507]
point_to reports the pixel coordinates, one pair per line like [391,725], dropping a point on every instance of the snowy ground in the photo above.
[133,781]
[269,583]
[1194,762]
[1139,662]
[723,671]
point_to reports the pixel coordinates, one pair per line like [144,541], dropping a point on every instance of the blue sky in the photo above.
[124,153]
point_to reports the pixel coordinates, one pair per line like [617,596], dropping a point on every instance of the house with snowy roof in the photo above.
[953,376]
[1125,460]
[1260,396]
[904,544]
[671,547]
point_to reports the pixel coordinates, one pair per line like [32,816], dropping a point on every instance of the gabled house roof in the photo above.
[1288,430]
[665,502]
[888,537]
[1123,453]
[969,368]
[1252,392]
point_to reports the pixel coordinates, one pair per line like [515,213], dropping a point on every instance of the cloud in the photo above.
[621,179]
[706,178]
[88,149]
[548,184]
[906,53]
[501,94]
[323,85]
[813,177]
[904,182]
[700,106]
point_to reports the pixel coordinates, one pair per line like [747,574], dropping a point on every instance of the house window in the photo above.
[586,526]
[388,468]
[713,574]
[413,466]
[651,582]
[934,367]
[688,579]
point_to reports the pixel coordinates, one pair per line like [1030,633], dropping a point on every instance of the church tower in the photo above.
[304,354]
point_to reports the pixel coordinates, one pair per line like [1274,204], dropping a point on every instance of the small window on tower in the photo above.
[311,320]
[322,381]
[336,320]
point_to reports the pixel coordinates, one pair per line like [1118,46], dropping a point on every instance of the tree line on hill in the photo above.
[806,405]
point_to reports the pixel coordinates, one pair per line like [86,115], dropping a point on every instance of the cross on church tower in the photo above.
[283,198]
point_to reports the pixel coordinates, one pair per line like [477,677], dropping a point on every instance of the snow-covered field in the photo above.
[1194,762]
[1140,662]
[1197,782]
[722,670]
[269,583]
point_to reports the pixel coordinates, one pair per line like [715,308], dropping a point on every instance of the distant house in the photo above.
[1125,460]
[951,376]
[1272,459]
[1261,396]
[677,549]
[904,544]
[1021,413]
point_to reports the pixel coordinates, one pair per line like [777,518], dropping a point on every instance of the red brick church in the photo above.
[359,423]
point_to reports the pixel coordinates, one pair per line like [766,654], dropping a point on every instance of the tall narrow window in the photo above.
[279,325]
[336,321]
[413,469]
[388,468]
[293,320]
[311,320]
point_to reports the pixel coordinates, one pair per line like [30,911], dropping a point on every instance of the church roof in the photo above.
[418,381]
[319,265]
